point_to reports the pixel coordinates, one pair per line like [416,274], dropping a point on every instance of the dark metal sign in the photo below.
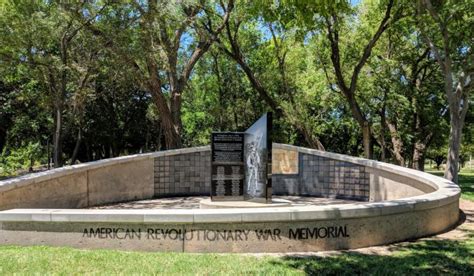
[227,176]
[241,163]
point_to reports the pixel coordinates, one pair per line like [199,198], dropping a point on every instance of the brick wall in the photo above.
[325,177]
[183,174]
[294,173]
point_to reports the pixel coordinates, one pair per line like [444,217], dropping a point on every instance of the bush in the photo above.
[25,157]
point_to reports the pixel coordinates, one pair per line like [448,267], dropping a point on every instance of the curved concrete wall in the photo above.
[112,180]
[385,181]
[406,204]
[186,172]
[80,186]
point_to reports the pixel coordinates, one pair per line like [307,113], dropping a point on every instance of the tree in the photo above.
[448,30]
[163,41]
[25,120]
[332,21]
[286,107]
[43,36]
[407,91]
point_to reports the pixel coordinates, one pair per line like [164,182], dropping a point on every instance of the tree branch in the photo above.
[333,36]
[203,47]
[368,48]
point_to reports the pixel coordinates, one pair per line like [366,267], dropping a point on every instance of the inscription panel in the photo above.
[227,169]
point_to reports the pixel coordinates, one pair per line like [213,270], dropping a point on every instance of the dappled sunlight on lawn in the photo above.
[425,257]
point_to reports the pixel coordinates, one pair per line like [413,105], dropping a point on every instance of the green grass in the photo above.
[425,258]
[466,182]
[431,257]
[428,257]
[42,260]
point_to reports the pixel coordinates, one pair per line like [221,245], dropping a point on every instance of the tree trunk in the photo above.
[171,135]
[397,144]
[350,90]
[419,150]
[419,156]
[256,84]
[367,140]
[170,129]
[312,141]
[176,112]
[32,162]
[59,98]
[458,106]
[57,154]
[88,151]
[48,153]
[221,91]
[3,137]
[383,146]
[452,163]
[77,146]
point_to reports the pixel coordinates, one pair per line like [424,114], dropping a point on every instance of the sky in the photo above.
[354,2]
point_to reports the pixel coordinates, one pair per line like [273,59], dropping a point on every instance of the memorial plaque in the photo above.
[227,166]
[241,163]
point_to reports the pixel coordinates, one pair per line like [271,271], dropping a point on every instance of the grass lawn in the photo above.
[466,182]
[428,257]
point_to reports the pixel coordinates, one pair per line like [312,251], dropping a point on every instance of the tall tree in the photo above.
[347,83]
[449,31]
[282,101]
[406,84]
[43,36]
[336,20]
[168,38]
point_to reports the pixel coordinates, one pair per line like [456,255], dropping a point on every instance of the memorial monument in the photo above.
[241,163]
[96,203]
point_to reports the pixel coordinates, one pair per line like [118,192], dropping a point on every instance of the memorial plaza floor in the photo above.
[192,202]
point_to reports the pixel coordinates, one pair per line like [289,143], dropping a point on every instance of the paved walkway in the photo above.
[192,202]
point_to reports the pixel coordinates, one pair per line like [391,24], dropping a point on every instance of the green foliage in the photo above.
[108,109]
[22,158]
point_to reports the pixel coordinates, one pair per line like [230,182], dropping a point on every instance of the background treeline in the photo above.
[388,80]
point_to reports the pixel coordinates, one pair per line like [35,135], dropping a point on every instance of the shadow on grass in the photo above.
[427,257]
[431,257]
